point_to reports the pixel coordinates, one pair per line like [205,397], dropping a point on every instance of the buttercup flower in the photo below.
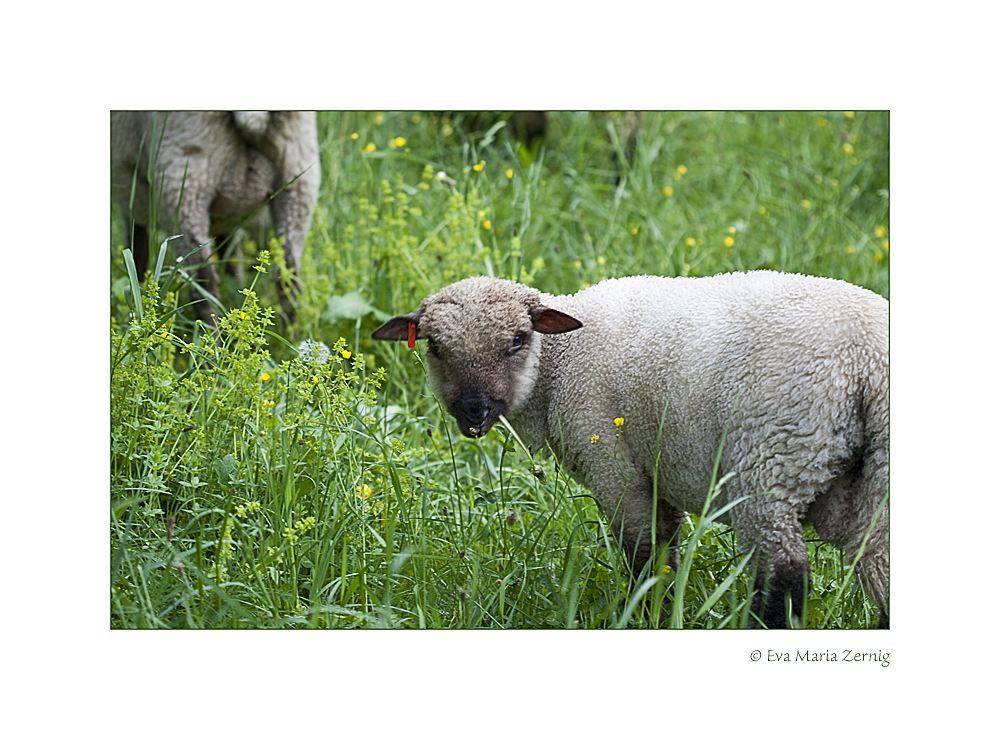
[370,147]
[806,204]
[479,167]
[668,191]
[619,421]
[510,174]
[848,149]
[849,114]
[486,224]
[594,438]
[729,241]
[879,231]
[265,377]
[689,241]
[354,136]
[400,141]
[681,169]
[364,491]
[345,354]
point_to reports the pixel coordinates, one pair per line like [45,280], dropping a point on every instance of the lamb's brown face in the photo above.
[483,346]
[482,360]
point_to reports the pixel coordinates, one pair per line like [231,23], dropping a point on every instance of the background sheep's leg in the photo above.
[291,146]
[140,248]
[196,245]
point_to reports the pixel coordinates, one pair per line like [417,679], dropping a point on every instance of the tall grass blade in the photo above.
[133,280]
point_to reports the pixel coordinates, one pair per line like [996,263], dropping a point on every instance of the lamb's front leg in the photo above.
[625,494]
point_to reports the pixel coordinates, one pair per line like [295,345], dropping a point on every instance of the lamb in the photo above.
[227,164]
[797,366]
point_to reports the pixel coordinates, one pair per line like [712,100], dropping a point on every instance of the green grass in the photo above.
[339,494]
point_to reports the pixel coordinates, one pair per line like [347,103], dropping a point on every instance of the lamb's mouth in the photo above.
[476,413]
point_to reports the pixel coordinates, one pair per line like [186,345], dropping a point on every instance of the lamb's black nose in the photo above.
[476,412]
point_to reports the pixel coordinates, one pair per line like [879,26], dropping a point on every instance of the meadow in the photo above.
[256,484]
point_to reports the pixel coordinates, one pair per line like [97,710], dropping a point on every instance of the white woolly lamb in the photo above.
[227,164]
[797,365]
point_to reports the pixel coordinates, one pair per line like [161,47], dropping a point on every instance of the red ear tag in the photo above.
[411,337]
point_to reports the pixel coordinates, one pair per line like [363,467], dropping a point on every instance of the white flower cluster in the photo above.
[311,351]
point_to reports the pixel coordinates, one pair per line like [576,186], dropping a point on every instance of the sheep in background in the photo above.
[797,365]
[228,164]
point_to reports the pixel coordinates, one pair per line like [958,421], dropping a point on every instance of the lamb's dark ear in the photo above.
[398,329]
[549,321]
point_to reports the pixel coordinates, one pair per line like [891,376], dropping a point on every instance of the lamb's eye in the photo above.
[518,342]
[432,346]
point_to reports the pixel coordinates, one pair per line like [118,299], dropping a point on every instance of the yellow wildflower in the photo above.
[378,119]
[668,191]
[510,174]
[594,438]
[732,229]
[265,376]
[729,241]
[364,491]
[354,136]
[370,147]
[486,224]
[762,211]
[885,244]
[849,114]
[681,169]
[600,260]
[479,167]
[577,264]
[879,231]
[664,569]
[446,129]
[689,241]
[163,334]
[346,354]
[848,149]
[850,249]
[400,141]
[619,421]
[635,229]
[806,204]
[315,379]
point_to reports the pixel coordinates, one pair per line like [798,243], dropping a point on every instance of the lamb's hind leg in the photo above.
[771,524]
[843,515]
